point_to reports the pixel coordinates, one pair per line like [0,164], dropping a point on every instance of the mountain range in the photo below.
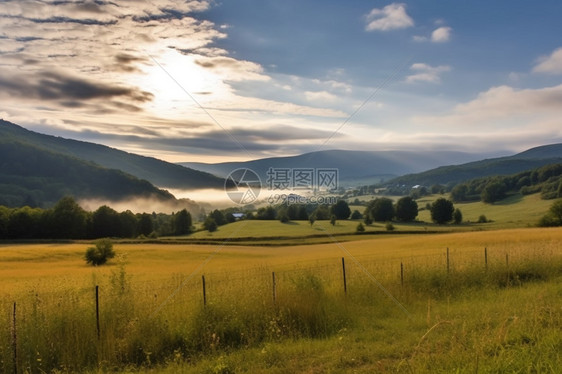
[355,167]
[530,159]
[38,170]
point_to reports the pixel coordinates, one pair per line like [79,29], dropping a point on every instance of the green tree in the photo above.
[219,217]
[406,209]
[380,210]
[340,209]
[266,213]
[459,192]
[322,213]
[302,213]
[494,191]
[360,227]
[145,224]
[100,253]
[105,223]
[67,220]
[210,224]
[333,219]
[442,211]
[311,219]
[457,216]
[182,222]
[554,215]
[356,214]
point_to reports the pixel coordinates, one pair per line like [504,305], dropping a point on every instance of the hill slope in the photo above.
[158,172]
[34,176]
[352,165]
[527,160]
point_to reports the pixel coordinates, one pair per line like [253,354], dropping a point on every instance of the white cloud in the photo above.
[320,96]
[504,107]
[550,64]
[391,17]
[441,35]
[426,73]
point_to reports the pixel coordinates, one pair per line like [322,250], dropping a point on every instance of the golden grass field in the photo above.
[504,319]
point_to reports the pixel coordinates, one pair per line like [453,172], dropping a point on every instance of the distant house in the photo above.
[238,216]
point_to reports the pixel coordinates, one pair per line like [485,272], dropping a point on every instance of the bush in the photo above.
[99,254]
[442,211]
[482,219]
[389,226]
[210,224]
[360,227]
[457,216]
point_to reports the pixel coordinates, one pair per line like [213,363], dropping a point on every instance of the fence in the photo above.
[108,322]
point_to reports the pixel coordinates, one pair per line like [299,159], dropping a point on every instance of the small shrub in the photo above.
[360,227]
[482,219]
[99,254]
[389,226]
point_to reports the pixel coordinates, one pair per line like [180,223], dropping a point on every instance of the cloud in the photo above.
[441,35]
[55,86]
[391,17]
[320,96]
[504,107]
[550,64]
[426,73]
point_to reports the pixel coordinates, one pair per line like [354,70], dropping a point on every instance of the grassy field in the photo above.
[152,318]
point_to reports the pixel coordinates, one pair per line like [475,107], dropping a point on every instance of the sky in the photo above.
[214,81]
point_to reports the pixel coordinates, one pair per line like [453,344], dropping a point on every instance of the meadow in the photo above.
[503,315]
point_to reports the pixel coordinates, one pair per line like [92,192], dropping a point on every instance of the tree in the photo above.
[210,224]
[105,223]
[554,215]
[406,209]
[457,216]
[267,213]
[322,213]
[302,213]
[459,192]
[182,222]
[380,209]
[67,220]
[219,217]
[340,209]
[333,219]
[442,211]
[494,191]
[356,215]
[145,225]
[99,254]
[311,219]
[360,227]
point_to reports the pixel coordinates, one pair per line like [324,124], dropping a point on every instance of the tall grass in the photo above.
[147,323]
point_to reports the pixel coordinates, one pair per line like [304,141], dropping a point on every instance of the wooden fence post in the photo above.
[204,291]
[98,311]
[344,277]
[14,341]
[274,290]
[448,260]
[402,274]
[486,258]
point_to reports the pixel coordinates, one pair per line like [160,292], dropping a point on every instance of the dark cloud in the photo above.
[81,21]
[127,63]
[59,87]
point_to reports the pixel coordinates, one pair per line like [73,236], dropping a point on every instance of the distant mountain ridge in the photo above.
[352,165]
[160,173]
[530,159]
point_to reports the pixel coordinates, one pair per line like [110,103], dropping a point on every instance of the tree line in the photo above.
[68,220]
